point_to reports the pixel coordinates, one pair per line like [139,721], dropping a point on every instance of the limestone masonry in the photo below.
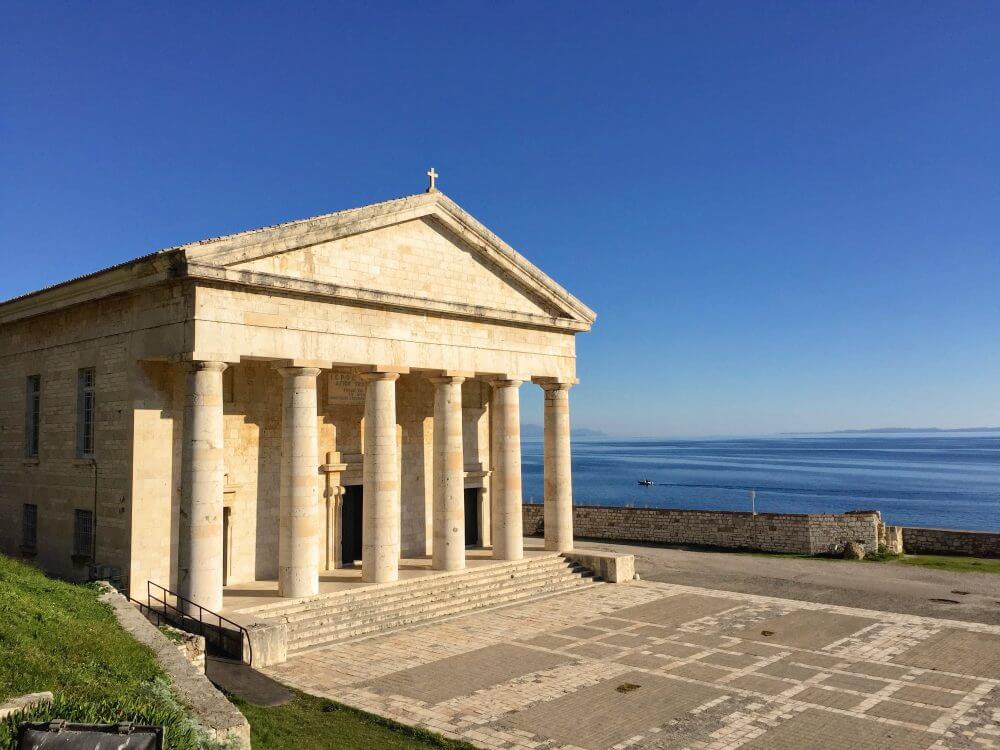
[951,542]
[269,405]
[809,534]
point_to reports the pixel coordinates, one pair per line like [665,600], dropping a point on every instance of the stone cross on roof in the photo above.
[433,175]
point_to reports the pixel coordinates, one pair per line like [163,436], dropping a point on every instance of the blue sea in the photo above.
[949,480]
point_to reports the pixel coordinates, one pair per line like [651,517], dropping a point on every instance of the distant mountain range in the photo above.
[877,430]
[536,431]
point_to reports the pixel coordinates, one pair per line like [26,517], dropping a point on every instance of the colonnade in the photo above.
[202,478]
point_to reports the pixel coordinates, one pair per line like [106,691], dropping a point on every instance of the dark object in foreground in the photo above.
[66,736]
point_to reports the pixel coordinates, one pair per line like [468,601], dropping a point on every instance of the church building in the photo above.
[269,405]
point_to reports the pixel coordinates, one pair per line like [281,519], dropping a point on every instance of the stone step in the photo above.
[429,602]
[302,646]
[377,591]
[451,587]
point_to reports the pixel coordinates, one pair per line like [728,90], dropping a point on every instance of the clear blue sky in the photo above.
[786,215]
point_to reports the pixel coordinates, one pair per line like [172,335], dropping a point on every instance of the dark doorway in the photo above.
[350,524]
[227,540]
[471,517]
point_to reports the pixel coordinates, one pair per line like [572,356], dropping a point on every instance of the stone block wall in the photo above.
[767,532]
[55,346]
[919,541]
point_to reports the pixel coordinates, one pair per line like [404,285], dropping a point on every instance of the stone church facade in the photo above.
[267,405]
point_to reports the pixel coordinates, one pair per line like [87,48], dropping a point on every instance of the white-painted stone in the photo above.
[200,576]
[381,528]
[298,534]
[508,541]
[449,470]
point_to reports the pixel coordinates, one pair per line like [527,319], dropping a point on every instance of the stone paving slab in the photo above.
[806,629]
[816,730]
[640,702]
[658,666]
[954,650]
[458,675]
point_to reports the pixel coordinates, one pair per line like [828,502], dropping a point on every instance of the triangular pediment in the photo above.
[422,248]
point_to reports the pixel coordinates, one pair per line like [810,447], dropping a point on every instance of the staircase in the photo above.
[341,616]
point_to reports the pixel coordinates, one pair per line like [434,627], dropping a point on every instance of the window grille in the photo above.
[29,525]
[32,415]
[85,405]
[83,533]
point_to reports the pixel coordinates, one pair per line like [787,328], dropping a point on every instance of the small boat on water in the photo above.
[646,482]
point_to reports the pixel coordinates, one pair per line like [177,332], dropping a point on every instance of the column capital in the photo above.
[290,371]
[505,382]
[318,364]
[447,379]
[555,384]
[370,377]
[203,365]
[398,369]
[206,356]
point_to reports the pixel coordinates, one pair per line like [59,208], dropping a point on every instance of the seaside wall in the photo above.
[918,541]
[809,534]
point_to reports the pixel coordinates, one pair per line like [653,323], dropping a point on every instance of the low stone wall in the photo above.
[209,707]
[190,646]
[809,534]
[918,541]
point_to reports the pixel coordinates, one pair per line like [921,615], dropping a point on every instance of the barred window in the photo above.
[29,525]
[32,415]
[83,533]
[85,413]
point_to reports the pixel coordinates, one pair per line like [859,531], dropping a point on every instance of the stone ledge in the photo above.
[220,718]
[613,567]
[268,642]
[24,702]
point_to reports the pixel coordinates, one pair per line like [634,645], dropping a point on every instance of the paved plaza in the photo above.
[656,665]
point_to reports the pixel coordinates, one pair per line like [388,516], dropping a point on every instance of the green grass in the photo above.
[308,721]
[953,563]
[57,636]
[170,634]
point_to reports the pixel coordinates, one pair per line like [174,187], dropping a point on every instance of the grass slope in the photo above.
[57,636]
[308,721]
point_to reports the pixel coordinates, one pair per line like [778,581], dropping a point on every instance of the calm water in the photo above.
[947,481]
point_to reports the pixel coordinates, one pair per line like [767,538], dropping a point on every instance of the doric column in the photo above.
[558,493]
[298,522]
[202,481]
[449,475]
[508,538]
[380,531]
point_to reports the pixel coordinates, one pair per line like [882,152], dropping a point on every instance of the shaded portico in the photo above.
[308,531]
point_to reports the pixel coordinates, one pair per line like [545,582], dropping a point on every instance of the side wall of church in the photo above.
[102,335]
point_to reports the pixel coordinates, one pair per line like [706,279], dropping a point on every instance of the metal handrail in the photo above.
[181,614]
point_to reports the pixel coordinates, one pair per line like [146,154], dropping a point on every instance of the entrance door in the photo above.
[471,517]
[350,524]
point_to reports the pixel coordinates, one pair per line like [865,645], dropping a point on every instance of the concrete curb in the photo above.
[209,707]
